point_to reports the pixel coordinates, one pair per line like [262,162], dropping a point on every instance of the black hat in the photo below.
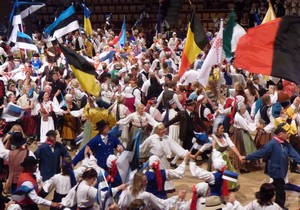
[17,139]
[279,130]
[35,55]
[51,133]
[101,124]
[285,104]
[29,161]
[262,91]
[189,102]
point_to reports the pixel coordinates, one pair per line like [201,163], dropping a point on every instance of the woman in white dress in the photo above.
[173,129]
[46,109]
[162,146]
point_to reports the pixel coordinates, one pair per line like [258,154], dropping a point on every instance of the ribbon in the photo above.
[158,176]
[233,111]
[112,172]
[225,191]
[193,205]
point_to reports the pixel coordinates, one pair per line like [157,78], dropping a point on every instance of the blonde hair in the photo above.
[137,183]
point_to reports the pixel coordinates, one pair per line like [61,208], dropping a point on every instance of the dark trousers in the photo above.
[295,142]
[280,192]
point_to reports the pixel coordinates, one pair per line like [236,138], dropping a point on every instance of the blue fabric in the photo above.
[100,149]
[258,105]
[277,156]
[115,132]
[152,185]
[216,189]
[49,162]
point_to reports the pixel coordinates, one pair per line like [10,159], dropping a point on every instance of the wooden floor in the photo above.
[249,182]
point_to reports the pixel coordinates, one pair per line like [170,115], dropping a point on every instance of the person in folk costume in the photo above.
[241,137]
[26,102]
[138,119]
[130,100]
[102,144]
[170,113]
[162,146]
[229,105]
[218,186]
[62,182]
[157,177]
[137,191]
[206,114]
[28,187]
[49,155]
[258,103]
[287,119]
[200,192]
[46,110]
[223,144]
[265,123]
[152,110]
[94,112]
[14,157]
[112,175]
[70,122]
[121,111]
[187,118]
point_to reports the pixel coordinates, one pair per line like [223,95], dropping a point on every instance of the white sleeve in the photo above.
[57,110]
[159,99]
[177,173]
[4,153]
[34,197]
[77,113]
[201,173]
[151,120]
[228,140]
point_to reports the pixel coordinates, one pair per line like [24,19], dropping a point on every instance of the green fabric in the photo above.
[249,143]
[227,35]
[87,130]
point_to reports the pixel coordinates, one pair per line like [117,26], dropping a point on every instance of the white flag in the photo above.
[213,57]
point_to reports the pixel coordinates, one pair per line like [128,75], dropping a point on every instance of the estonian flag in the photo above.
[271,49]
[84,71]
[64,24]
[196,41]
[25,42]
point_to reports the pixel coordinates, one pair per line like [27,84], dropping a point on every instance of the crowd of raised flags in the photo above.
[230,41]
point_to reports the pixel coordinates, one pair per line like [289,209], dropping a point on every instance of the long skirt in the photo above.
[29,124]
[261,138]
[245,145]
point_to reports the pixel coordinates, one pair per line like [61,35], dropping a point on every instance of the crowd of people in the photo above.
[237,124]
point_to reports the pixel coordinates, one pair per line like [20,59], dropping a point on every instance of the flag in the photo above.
[129,160]
[271,49]
[86,20]
[232,34]
[25,42]
[196,40]
[121,38]
[270,15]
[213,57]
[15,22]
[83,70]
[107,18]
[64,24]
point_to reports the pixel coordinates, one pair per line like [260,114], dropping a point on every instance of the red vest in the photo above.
[25,176]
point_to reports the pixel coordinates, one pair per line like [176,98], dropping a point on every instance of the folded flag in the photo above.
[84,71]
[271,49]
[115,132]
[64,24]
[24,41]
[230,176]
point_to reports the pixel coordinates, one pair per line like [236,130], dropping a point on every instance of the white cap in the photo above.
[200,97]
[110,159]
[153,159]
[202,188]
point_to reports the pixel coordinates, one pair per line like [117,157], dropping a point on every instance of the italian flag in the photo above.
[232,33]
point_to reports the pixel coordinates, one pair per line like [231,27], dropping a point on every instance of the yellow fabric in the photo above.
[87,81]
[291,129]
[94,115]
[87,26]
[270,15]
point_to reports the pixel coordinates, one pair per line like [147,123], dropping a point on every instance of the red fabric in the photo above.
[27,177]
[51,143]
[158,176]
[256,54]
[233,111]
[113,171]
[193,205]
[225,191]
